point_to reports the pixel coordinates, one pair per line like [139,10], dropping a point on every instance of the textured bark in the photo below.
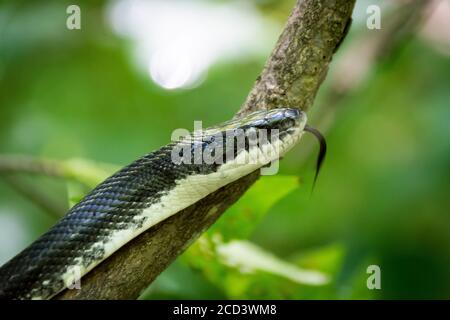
[299,62]
[291,78]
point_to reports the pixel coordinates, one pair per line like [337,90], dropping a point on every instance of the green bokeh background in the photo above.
[382,197]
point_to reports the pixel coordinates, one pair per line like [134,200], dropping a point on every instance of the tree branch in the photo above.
[23,164]
[50,206]
[368,49]
[291,78]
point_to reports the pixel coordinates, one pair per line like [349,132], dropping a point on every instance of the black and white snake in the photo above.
[146,192]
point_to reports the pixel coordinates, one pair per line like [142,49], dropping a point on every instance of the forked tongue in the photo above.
[322,150]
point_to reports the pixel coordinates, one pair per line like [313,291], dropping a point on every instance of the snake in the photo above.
[146,192]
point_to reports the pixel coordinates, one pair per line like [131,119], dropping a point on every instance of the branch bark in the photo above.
[367,50]
[291,78]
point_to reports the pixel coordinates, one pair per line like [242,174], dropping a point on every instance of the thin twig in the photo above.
[27,164]
[86,173]
[54,209]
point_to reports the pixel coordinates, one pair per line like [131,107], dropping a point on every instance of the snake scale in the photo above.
[142,194]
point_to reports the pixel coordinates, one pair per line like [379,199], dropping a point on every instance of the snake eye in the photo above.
[292,113]
[259,123]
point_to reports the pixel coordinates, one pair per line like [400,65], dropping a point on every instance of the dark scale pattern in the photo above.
[113,205]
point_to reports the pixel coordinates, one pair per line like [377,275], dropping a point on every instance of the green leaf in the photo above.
[241,218]
[88,172]
[75,192]
[209,254]
[248,258]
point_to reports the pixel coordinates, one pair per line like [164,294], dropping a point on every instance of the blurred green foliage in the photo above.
[382,197]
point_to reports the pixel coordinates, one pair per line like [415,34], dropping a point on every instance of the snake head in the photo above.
[282,119]
[256,139]
[290,123]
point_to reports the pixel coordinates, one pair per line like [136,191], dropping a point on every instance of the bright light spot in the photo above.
[177,41]
[171,70]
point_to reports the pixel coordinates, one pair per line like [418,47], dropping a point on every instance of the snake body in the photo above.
[140,195]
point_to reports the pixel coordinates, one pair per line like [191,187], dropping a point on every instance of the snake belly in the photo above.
[139,196]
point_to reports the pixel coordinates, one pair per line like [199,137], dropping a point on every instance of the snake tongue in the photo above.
[322,150]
